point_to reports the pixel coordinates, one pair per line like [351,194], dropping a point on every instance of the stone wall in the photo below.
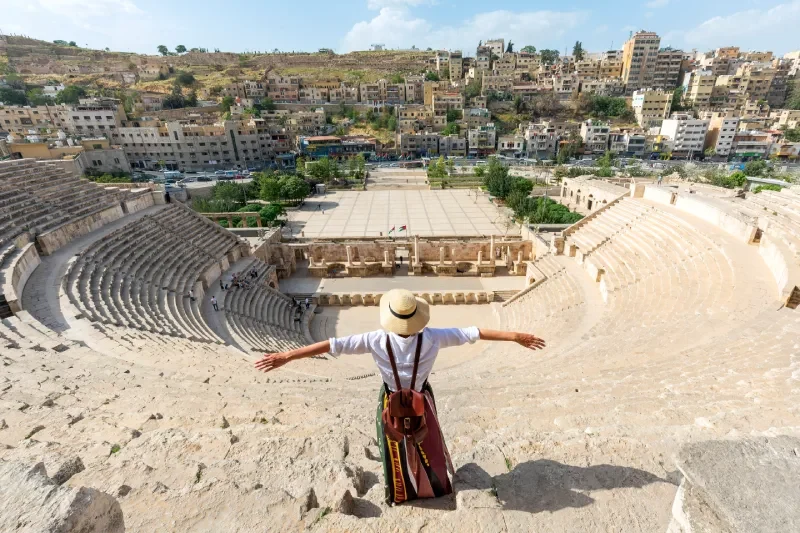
[137,204]
[21,269]
[586,194]
[54,239]
[733,224]
[432,297]
[780,261]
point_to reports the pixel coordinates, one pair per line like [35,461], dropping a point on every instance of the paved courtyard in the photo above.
[455,212]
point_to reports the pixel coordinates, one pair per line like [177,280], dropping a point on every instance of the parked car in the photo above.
[205,178]
[219,173]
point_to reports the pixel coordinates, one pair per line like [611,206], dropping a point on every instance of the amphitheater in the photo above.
[667,398]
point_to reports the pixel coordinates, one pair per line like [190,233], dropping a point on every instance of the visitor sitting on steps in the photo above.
[414,455]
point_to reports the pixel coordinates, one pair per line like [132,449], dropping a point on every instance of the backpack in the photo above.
[404,415]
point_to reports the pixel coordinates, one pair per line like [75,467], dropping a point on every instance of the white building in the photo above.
[687,135]
[727,132]
[595,136]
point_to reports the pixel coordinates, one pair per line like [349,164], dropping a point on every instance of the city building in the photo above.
[651,107]
[482,141]
[749,145]
[540,140]
[595,136]
[639,59]
[456,65]
[476,117]
[497,47]
[511,145]
[700,88]
[24,119]
[721,131]
[686,134]
[418,144]
[283,88]
[667,73]
[452,146]
[334,147]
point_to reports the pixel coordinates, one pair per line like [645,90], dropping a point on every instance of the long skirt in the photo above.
[413,471]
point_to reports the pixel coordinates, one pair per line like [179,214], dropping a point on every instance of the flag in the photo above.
[403,228]
[391,230]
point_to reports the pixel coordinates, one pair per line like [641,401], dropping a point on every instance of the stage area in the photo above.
[453,212]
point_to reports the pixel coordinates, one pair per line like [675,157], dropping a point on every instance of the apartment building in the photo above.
[595,136]
[721,131]
[482,141]
[24,119]
[415,89]
[415,118]
[186,146]
[755,80]
[635,144]
[96,116]
[610,67]
[456,65]
[313,95]
[528,61]
[667,72]
[483,58]
[506,64]
[418,144]
[639,59]
[432,87]
[444,102]
[751,145]
[603,87]
[296,122]
[779,87]
[497,83]
[283,88]
[496,46]
[234,90]
[651,107]
[686,134]
[700,88]
[540,140]
[442,61]
[452,146]
[255,89]
[343,94]
[587,69]
[475,117]
[511,145]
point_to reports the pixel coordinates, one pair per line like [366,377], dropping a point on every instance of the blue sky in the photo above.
[344,25]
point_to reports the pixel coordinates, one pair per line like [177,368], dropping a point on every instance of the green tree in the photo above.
[577,51]
[792,135]
[451,129]
[519,105]
[266,104]
[473,88]
[398,78]
[12,97]
[431,76]
[607,159]
[61,42]
[479,172]
[270,189]
[270,214]
[755,168]
[529,49]
[710,152]
[549,57]
[768,187]
[226,104]
[497,180]
[191,100]
[293,188]
[677,98]
[180,49]
[37,97]
[522,185]
[453,115]
[70,95]
[185,79]
[163,50]
[73,44]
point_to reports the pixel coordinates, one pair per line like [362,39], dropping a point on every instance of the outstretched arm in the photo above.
[271,361]
[523,339]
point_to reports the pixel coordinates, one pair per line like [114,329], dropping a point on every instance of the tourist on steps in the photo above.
[416,463]
[214,303]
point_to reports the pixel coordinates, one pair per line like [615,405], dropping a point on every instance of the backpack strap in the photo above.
[394,363]
[416,360]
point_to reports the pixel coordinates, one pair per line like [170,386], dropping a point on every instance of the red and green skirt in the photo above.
[413,471]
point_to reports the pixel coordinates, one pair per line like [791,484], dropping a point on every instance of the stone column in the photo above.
[491,249]
[480,257]
[386,257]
[441,256]
[349,256]
[519,257]
[416,250]
[453,256]
[509,259]
[230,221]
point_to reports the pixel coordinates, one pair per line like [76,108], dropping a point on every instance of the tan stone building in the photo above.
[667,74]
[283,88]
[418,144]
[639,59]
[452,146]
[456,65]
[22,119]
[700,88]
[651,107]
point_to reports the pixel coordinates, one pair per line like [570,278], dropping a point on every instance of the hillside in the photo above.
[39,62]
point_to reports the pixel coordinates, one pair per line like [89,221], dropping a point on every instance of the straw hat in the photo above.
[402,313]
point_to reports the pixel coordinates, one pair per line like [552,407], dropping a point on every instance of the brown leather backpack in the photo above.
[404,415]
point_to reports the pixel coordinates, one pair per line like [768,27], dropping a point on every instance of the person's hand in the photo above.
[271,361]
[532,342]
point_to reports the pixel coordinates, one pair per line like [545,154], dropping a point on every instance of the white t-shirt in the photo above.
[404,349]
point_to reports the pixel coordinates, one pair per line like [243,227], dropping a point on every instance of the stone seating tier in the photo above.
[140,275]
[260,318]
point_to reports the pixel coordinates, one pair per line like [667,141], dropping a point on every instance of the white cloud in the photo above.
[759,29]
[380,4]
[396,27]
[655,4]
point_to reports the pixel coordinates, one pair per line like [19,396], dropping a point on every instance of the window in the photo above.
[116,160]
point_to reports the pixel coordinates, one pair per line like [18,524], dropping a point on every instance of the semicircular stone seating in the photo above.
[260,318]
[141,275]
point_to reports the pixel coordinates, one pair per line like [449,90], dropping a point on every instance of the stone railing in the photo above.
[432,297]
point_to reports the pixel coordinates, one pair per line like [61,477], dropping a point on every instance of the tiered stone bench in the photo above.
[141,275]
[260,318]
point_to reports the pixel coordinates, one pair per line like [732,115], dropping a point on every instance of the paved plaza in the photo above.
[455,212]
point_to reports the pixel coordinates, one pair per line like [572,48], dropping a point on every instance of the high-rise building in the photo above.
[639,58]
[668,69]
